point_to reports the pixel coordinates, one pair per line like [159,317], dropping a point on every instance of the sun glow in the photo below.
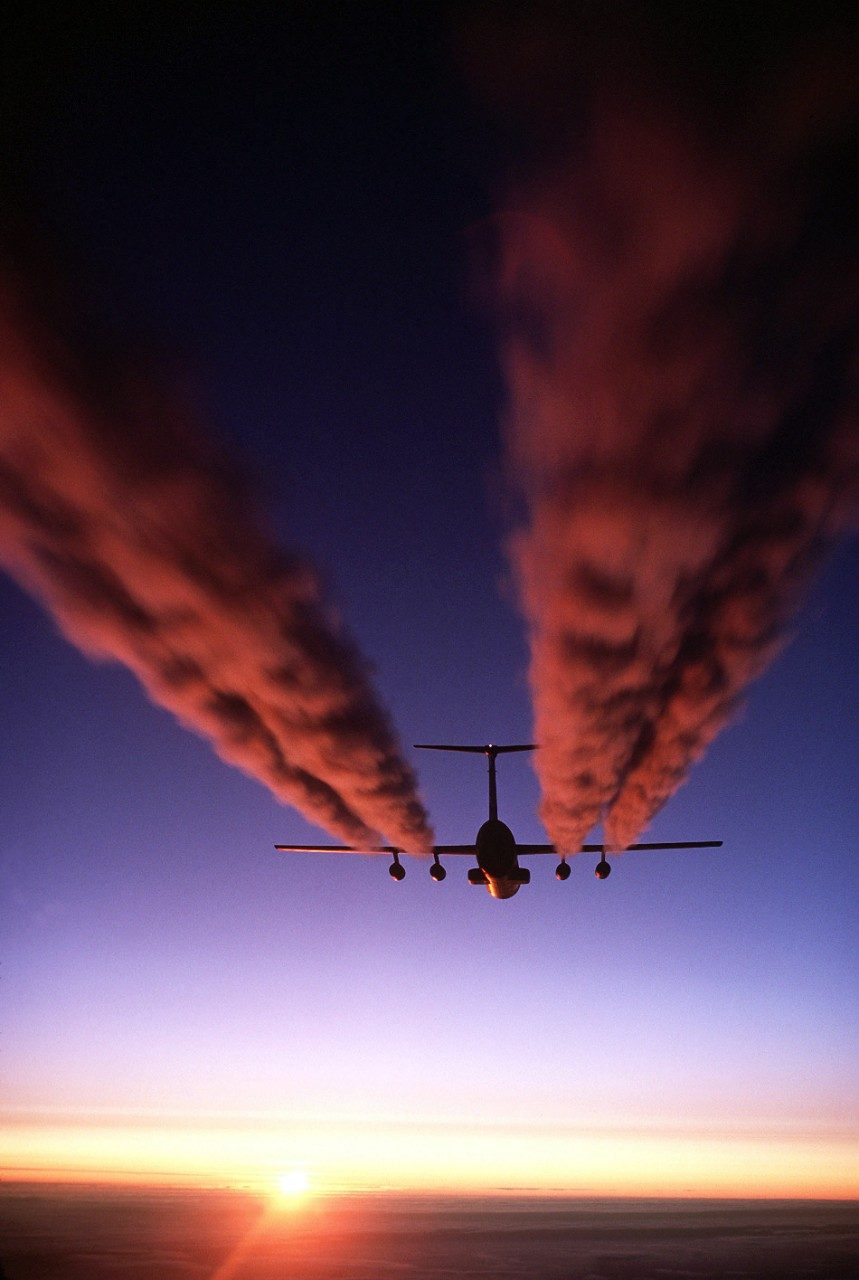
[293,1185]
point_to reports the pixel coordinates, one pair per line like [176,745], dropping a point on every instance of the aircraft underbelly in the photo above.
[501,887]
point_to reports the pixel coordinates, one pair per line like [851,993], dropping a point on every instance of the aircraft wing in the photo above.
[600,848]
[446,849]
[468,850]
[335,848]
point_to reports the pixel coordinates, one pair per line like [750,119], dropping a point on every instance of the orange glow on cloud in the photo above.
[352,1156]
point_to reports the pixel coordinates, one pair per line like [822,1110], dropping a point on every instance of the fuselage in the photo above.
[496,857]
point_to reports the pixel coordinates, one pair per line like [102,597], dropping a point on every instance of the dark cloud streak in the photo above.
[678,292]
[147,550]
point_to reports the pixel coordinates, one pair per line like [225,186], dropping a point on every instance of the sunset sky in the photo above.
[294,219]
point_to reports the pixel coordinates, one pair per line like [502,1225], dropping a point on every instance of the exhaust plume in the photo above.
[677,290]
[147,551]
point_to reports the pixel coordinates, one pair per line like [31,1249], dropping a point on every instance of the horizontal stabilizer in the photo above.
[488,749]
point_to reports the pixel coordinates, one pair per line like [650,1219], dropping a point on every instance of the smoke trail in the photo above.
[116,515]
[678,290]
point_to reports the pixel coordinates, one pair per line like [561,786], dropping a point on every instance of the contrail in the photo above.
[115,513]
[677,287]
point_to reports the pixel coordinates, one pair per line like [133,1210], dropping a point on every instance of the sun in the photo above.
[293,1184]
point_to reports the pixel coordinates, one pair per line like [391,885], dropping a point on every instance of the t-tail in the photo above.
[490,750]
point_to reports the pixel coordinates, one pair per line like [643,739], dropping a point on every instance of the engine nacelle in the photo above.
[437,871]
[397,871]
[562,871]
[602,870]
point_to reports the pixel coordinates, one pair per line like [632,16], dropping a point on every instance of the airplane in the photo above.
[495,849]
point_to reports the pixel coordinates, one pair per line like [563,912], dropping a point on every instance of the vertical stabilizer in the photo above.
[490,750]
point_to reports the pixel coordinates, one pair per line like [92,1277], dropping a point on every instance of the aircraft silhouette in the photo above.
[494,847]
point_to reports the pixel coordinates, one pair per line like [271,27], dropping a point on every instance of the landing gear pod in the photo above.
[602,871]
[476,876]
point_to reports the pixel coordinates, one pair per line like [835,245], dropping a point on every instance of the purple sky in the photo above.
[301,236]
